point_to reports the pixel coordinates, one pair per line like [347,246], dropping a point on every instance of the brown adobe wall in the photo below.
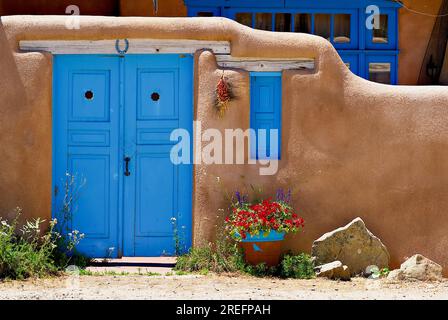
[349,147]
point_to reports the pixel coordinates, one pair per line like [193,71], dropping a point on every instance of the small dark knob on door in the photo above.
[126,163]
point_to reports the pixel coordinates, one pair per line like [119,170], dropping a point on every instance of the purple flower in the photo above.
[280,195]
[238,197]
[288,196]
[241,198]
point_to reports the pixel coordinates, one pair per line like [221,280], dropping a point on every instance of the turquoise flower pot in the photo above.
[263,237]
[263,248]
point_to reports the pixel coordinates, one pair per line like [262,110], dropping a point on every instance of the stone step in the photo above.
[133,265]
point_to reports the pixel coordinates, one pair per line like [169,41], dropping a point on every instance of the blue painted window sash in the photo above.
[352,60]
[360,36]
[392,32]
[382,58]
[359,61]
[257,117]
[195,11]
[292,3]
[355,52]
[354,36]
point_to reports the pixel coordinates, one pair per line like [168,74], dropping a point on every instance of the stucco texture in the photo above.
[350,147]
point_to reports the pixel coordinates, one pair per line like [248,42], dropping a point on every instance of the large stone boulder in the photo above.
[417,267]
[334,270]
[354,245]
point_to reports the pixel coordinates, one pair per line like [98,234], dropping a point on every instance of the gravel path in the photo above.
[215,287]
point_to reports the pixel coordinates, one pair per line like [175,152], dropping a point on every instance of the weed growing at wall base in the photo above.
[228,258]
[28,251]
[25,252]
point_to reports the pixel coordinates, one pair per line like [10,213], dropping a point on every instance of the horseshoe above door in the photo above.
[117,47]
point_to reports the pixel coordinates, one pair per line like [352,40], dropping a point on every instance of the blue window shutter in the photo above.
[265,114]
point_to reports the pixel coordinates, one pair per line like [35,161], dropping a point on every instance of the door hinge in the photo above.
[56,189]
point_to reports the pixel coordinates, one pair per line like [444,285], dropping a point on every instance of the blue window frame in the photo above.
[386,36]
[342,22]
[351,60]
[347,38]
[265,114]
[381,68]
[204,11]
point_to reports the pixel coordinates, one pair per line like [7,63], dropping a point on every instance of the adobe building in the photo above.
[101,101]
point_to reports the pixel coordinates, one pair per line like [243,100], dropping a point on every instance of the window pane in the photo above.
[322,26]
[379,72]
[205,14]
[341,28]
[263,21]
[283,22]
[380,35]
[244,18]
[302,23]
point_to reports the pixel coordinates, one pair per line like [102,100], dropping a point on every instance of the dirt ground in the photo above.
[215,287]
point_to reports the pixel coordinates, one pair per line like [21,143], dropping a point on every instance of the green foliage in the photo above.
[85,272]
[220,257]
[27,251]
[260,270]
[227,257]
[203,272]
[380,273]
[384,272]
[298,266]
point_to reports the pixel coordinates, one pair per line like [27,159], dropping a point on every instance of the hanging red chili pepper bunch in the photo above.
[223,95]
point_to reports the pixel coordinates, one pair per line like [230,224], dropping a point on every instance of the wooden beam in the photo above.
[143,46]
[267,65]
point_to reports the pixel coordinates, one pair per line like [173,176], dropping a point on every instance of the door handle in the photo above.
[126,163]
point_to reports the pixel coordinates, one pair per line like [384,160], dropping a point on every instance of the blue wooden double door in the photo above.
[112,120]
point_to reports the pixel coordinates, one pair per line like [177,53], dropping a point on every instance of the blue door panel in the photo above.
[157,95]
[95,194]
[90,91]
[97,138]
[157,194]
[107,108]
[85,114]
[156,202]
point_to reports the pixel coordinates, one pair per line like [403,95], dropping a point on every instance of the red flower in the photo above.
[261,217]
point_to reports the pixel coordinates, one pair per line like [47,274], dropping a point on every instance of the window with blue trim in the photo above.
[265,115]
[343,23]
